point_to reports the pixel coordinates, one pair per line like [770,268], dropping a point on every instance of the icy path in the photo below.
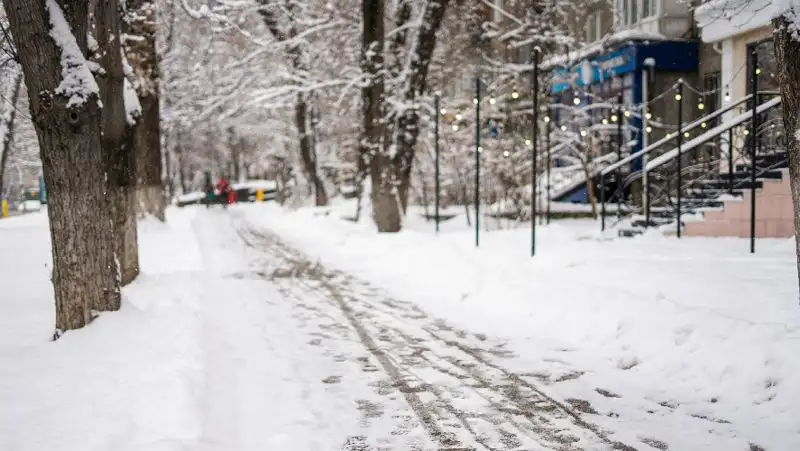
[305,358]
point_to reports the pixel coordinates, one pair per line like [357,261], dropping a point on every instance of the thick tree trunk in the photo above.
[68,127]
[117,143]
[8,137]
[139,23]
[787,54]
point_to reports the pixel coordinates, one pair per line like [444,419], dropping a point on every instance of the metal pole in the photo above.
[731,169]
[680,156]
[645,178]
[753,137]
[477,160]
[618,172]
[534,139]
[549,165]
[602,202]
[436,147]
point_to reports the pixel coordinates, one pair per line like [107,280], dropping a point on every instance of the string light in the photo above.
[455,127]
[583,132]
[648,116]
[563,128]
[614,118]
[758,71]
[506,153]
[700,106]
[685,134]
[547,118]
[677,97]
[515,95]
[627,114]
[492,101]
[475,100]
[443,111]
[458,117]
[703,125]
[480,149]
[648,129]
[528,142]
[605,121]
[746,131]
[576,101]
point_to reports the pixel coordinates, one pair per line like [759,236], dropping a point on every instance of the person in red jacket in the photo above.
[224,189]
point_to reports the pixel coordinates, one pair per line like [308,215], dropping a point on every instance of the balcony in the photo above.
[659,19]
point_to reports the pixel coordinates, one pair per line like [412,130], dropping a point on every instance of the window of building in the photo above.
[631,12]
[594,27]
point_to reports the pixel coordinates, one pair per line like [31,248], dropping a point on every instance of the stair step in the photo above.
[629,233]
[724,184]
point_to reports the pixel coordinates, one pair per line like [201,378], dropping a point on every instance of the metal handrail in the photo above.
[691,126]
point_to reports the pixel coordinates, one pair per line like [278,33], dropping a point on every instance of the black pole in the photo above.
[753,135]
[731,169]
[647,207]
[534,150]
[680,156]
[618,172]
[477,160]
[602,202]
[549,165]
[436,147]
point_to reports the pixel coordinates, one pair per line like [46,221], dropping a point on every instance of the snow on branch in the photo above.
[78,83]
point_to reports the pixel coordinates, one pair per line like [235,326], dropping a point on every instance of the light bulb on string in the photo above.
[515,95]
[703,125]
[506,153]
[475,100]
[583,132]
[576,101]
[455,127]
[458,117]
[701,106]
[648,129]
[758,71]
[443,111]
[480,149]
[746,132]
[528,142]
[685,134]
[492,101]
[678,97]
[547,118]
[605,121]
[614,118]
[648,116]
[563,128]
[627,114]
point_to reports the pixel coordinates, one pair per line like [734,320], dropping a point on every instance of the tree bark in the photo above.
[139,22]
[8,137]
[84,272]
[787,55]
[117,143]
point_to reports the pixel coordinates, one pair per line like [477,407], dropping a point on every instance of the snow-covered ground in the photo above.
[233,338]
[691,343]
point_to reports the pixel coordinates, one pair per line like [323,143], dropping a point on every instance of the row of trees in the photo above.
[93,67]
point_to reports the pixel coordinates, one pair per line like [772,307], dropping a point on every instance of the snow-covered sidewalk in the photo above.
[682,344]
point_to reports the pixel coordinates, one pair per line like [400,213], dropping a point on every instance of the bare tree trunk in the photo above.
[8,137]
[68,127]
[270,12]
[787,54]
[139,24]
[117,142]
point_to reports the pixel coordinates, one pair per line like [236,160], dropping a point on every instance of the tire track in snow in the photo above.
[515,403]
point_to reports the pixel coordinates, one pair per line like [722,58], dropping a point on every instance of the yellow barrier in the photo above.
[4,209]
[260,195]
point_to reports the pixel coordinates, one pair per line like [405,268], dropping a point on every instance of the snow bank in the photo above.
[127,382]
[695,338]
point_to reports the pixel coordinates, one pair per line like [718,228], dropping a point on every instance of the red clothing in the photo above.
[223,186]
